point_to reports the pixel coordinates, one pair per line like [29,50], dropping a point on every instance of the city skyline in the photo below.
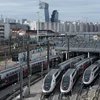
[71,10]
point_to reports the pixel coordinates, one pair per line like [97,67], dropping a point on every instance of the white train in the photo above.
[52,77]
[69,63]
[50,81]
[70,77]
[91,73]
[68,80]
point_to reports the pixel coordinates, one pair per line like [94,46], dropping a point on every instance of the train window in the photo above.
[66,82]
[56,74]
[87,75]
[73,73]
[48,80]
[96,72]
[94,68]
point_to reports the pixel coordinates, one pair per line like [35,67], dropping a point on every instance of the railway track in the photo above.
[64,97]
[9,95]
[53,95]
[97,93]
[46,97]
[86,93]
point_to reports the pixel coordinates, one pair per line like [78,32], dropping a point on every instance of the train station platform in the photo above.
[35,92]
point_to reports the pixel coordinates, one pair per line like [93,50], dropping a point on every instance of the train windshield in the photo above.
[66,82]
[47,82]
[87,75]
[96,62]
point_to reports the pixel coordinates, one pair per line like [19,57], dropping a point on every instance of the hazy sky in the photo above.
[68,9]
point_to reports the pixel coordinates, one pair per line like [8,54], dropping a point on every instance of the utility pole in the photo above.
[68,47]
[10,45]
[5,60]
[48,54]
[42,70]
[21,82]
[28,65]
[38,27]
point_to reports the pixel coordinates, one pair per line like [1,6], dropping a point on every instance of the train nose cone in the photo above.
[47,87]
[86,79]
[65,87]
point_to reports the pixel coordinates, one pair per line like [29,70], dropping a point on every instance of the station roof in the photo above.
[78,44]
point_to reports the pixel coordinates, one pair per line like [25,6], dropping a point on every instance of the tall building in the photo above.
[4,31]
[23,20]
[54,16]
[44,10]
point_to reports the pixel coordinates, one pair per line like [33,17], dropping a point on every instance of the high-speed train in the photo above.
[70,77]
[11,75]
[52,77]
[69,63]
[50,80]
[91,73]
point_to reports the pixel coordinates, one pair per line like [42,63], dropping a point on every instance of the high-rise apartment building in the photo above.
[23,20]
[54,16]
[44,10]
[4,31]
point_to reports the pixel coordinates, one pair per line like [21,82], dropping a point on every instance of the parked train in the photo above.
[91,73]
[11,75]
[50,80]
[55,75]
[70,77]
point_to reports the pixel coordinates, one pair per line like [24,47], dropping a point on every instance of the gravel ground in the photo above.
[9,64]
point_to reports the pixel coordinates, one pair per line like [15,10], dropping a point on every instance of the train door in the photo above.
[0,81]
[50,63]
[64,56]
[44,65]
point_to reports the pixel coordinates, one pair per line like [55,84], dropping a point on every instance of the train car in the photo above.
[72,74]
[91,73]
[82,65]
[68,80]
[69,63]
[11,75]
[62,67]
[50,81]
